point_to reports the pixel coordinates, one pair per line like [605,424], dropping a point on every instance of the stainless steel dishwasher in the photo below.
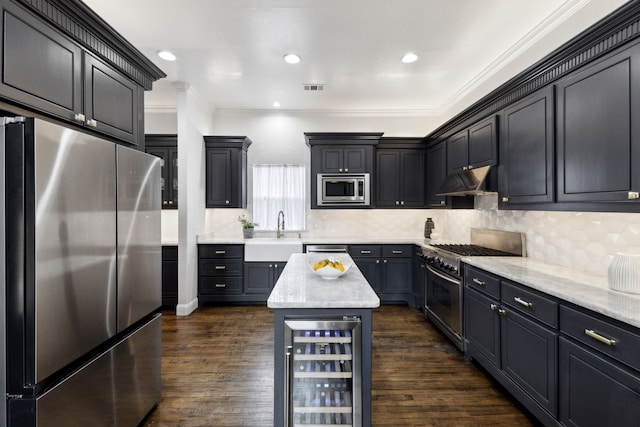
[339,249]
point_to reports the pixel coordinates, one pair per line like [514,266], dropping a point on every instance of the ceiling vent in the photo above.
[314,87]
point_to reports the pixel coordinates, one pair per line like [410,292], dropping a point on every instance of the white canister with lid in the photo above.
[624,273]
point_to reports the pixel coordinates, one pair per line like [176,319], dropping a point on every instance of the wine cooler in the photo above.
[322,375]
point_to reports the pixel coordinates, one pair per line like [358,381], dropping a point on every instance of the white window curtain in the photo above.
[279,188]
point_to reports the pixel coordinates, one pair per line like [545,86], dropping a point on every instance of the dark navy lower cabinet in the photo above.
[516,346]
[595,391]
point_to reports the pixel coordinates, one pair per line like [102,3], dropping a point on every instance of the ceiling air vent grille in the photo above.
[314,87]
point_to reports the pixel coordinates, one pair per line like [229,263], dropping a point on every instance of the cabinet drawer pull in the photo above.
[221,285]
[478,282]
[365,252]
[596,336]
[396,252]
[221,252]
[493,307]
[79,118]
[92,123]
[522,302]
[633,195]
[502,312]
[505,200]
[220,267]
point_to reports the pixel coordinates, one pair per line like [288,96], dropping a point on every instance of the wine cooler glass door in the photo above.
[323,376]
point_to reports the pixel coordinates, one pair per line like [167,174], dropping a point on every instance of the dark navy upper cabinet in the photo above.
[400,173]
[165,146]
[599,130]
[226,171]
[473,147]
[526,173]
[52,65]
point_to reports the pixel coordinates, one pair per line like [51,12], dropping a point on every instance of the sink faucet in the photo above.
[280,233]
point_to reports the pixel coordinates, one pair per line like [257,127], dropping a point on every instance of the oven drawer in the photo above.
[618,343]
[482,281]
[530,303]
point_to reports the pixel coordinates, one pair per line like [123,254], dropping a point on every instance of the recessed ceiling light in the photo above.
[409,58]
[292,58]
[166,55]
[276,104]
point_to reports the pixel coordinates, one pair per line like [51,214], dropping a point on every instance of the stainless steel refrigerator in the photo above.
[83,277]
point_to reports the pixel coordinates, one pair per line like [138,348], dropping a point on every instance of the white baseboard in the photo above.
[188,308]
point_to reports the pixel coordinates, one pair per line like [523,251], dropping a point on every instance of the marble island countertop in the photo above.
[586,290]
[299,287]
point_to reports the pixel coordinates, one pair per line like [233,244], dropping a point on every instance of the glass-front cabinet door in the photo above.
[323,373]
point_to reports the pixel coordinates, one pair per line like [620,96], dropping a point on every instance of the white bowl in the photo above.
[328,272]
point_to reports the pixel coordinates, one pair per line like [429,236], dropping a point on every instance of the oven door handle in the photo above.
[442,276]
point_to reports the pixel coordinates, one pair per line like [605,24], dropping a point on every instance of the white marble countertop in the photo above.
[586,290]
[299,287]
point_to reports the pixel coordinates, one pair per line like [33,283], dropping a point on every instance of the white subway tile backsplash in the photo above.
[585,241]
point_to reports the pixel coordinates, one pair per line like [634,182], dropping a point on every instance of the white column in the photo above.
[193,122]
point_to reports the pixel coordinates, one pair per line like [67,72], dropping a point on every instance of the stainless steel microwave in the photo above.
[343,189]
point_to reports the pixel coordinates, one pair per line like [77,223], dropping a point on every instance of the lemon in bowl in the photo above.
[329,267]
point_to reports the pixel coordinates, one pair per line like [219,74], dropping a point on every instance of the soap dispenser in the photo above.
[429,226]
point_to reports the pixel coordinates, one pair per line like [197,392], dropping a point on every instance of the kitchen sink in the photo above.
[271,249]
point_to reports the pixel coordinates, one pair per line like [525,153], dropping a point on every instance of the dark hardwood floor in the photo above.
[217,370]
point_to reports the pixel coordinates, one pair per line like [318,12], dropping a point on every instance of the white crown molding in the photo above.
[560,15]
[160,108]
[332,113]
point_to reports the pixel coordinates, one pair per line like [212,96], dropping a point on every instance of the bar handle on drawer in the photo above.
[396,252]
[220,267]
[478,282]
[221,252]
[221,285]
[522,302]
[596,336]
[365,252]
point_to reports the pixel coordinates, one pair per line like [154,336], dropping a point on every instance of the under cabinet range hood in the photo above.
[466,183]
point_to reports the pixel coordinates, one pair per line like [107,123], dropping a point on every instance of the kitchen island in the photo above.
[322,347]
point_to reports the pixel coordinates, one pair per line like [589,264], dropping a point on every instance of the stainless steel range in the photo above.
[443,296]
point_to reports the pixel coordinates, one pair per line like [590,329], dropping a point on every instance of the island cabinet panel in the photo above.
[45,70]
[226,171]
[169,276]
[526,173]
[598,130]
[400,176]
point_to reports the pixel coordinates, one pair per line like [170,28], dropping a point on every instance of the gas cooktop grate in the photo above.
[472,250]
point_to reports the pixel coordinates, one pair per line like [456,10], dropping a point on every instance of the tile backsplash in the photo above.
[586,241]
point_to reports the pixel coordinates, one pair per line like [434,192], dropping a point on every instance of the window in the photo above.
[279,188]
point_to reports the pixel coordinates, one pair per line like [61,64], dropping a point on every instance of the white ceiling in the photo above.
[230,51]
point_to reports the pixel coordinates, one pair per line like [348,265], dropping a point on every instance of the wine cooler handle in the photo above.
[288,376]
